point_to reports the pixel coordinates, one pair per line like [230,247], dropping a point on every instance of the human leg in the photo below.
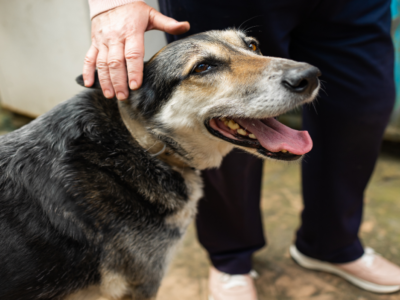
[350,42]
[229,222]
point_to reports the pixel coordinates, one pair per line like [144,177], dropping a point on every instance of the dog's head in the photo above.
[210,92]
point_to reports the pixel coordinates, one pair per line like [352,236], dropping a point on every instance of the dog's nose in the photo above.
[300,79]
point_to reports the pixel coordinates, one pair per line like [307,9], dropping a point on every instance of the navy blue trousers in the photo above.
[349,41]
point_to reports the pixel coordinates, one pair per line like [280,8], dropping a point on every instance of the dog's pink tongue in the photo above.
[275,136]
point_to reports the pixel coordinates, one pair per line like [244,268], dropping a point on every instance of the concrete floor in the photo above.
[280,278]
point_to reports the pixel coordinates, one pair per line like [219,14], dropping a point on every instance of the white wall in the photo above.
[42,47]
[154,40]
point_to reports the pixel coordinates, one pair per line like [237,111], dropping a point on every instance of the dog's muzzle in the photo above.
[268,136]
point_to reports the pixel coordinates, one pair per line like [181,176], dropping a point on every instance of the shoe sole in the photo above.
[317,265]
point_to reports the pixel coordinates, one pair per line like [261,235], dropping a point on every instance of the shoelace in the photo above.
[231,281]
[369,256]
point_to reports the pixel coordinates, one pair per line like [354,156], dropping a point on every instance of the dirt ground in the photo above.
[280,278]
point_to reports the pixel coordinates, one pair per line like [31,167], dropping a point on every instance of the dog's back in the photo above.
[71,193]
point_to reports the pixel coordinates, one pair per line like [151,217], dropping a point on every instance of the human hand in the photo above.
[118,46]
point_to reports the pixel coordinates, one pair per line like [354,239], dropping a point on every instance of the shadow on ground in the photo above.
[280,278]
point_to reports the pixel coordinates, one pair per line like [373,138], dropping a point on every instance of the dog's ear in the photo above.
[96,84]
[157,87]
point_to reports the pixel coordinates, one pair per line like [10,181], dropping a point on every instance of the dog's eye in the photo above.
[253,46]
[201,68]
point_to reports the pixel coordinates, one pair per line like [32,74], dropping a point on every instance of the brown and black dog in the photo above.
[95,195]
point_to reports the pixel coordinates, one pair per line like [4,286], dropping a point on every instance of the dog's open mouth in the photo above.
[270,137]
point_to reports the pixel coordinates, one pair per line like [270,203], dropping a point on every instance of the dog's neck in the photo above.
[150,142]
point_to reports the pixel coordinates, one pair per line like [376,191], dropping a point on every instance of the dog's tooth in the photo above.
[241,131]
[233,125]
[284,151]
[226,121]
[252,136]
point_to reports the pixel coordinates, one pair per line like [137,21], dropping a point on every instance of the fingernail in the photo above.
[107,93]
[133,85]
[121,96]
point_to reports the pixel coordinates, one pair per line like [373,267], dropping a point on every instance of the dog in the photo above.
[96,194]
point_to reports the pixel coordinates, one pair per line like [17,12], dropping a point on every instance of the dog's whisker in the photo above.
[244,22]
[248,29]
[315,108]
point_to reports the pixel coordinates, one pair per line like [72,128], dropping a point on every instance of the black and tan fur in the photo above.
[95,195]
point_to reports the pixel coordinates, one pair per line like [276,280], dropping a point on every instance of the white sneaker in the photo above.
[370,272]
[224,286]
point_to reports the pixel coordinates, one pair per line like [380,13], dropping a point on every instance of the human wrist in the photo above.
[99,6]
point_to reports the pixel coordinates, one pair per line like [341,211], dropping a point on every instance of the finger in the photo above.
[117,67]
[158,21]
[104,73]
[134,54]
[89,67]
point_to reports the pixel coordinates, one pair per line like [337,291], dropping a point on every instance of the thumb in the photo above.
[158,21]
